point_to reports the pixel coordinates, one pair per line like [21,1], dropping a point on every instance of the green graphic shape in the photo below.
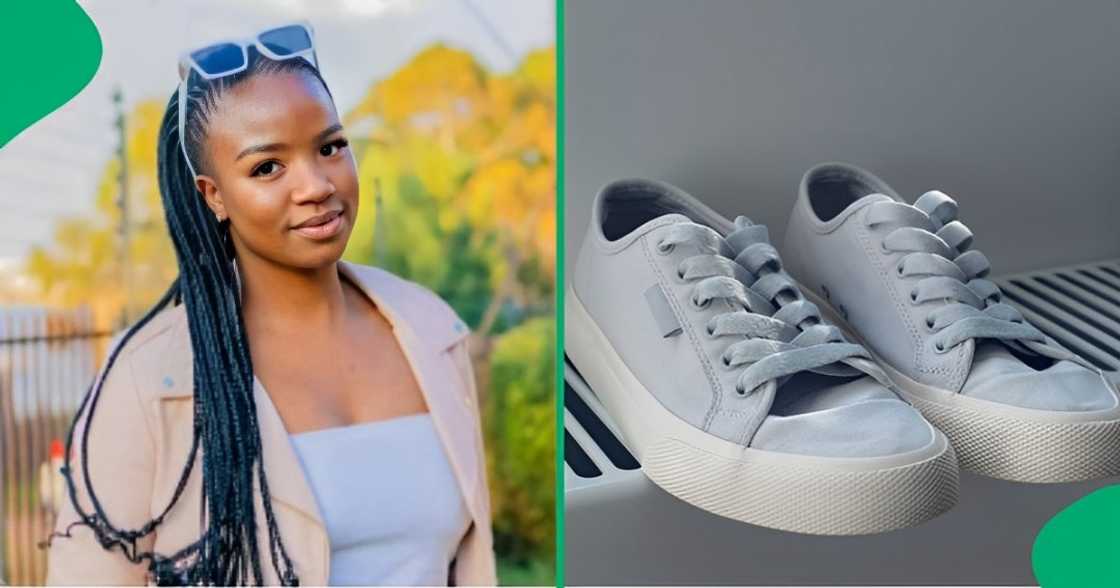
[53,49]
[1080,546]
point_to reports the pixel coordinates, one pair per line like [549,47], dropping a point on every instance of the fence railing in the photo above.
[47,360]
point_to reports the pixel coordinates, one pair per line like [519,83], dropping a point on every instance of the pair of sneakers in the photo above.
[837,397]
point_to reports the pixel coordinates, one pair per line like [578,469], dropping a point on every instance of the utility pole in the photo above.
[122,203]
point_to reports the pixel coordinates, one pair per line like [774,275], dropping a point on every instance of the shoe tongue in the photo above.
[746,233]
[990,348]
[673,218]
[872,197]
[991,359]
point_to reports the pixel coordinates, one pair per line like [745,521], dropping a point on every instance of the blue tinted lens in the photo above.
[219,59]
[286,41]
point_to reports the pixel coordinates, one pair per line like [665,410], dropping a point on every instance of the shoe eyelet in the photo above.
[929,324]
[883,248]
[680,275]
[939,347]
[711,331]
[696,304]
[898,270]
[664,249]
[914,296]
[739,390]
[726,361]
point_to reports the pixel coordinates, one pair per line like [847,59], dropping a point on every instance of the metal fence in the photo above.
[47,360]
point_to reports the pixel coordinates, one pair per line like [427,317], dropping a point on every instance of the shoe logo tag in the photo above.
[667,323]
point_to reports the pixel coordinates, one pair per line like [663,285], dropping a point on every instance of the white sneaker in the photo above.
[727,386]
[904,280]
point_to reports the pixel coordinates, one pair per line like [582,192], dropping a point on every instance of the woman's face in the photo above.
[279,166]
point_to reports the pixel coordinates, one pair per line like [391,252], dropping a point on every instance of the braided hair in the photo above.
[225,416]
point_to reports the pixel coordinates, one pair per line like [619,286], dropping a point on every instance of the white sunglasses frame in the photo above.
[187,64]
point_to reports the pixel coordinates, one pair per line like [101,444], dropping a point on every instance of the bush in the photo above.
[520,421]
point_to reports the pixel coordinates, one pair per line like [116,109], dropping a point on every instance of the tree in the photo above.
[84,263]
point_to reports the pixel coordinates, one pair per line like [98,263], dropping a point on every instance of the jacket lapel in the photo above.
[287,482]
[425,333]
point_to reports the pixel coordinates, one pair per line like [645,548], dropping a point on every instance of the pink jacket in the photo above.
[142,433]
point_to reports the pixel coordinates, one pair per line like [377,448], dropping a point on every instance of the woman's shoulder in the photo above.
[411,301]
[165,324]
[159,346]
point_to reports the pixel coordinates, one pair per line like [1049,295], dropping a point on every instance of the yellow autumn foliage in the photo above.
[481,145]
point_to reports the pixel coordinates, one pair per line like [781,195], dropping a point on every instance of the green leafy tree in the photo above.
[520,439]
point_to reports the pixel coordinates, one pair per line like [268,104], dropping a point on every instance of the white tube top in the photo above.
[389,498]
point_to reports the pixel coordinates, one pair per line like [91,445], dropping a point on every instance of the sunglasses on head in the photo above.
[226,58]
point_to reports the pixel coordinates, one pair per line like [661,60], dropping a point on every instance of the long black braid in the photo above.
[225,416]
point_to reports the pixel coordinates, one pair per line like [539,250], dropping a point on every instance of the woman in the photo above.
[281,416]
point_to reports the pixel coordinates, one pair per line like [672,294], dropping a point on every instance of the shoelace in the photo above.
[745,271]
[937,248]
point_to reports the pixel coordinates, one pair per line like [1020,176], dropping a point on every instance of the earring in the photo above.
[219,217]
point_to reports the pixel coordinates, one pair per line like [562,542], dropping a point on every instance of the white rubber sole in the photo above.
[804,494]
[1008,442]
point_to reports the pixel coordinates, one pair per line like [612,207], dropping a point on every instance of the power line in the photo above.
[27,242]
[492,31]
[48,179]
[22,211]
[14,227]
[44,166]
[63,134]
[39,155]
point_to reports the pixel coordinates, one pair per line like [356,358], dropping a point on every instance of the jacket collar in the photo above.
[421,333]
[394,297]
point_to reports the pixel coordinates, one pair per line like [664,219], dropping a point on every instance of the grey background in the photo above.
[1008,106]
[638,534]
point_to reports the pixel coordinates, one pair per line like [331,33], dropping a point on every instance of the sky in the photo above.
[51,170]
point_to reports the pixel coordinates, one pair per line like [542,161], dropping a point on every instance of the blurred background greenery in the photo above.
[456,165]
